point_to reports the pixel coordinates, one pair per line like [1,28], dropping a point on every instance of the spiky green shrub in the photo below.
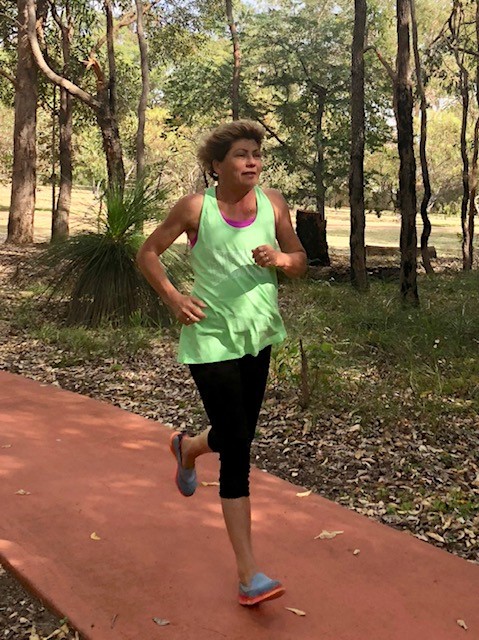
[97,272]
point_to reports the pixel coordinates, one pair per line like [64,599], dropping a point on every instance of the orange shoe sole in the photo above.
[277,592]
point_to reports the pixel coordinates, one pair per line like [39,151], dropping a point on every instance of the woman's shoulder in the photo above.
[276,198]
[188,208]
[191,202]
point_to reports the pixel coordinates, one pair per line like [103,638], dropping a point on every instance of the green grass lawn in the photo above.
[379,231]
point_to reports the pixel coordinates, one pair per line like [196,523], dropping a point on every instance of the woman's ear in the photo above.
[215,165]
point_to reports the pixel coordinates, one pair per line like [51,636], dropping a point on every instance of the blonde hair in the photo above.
[217,144]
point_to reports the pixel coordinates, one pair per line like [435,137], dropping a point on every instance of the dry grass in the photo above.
[84,211]
[379,231]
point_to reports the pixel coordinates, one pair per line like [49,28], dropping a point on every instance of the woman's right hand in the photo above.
[187,309]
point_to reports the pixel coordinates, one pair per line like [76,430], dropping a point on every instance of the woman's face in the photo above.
[242,164]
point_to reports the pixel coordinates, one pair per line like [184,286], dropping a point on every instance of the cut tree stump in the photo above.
[374,250]
[311,231]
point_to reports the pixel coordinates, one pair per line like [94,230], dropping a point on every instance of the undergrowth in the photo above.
[370,355]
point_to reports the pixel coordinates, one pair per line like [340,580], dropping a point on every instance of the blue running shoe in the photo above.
[185,478]
[260,589]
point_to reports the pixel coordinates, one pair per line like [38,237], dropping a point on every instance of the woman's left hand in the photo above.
[266,256]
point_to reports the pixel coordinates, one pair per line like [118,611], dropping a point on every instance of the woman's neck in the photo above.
[231,195]
[236,204]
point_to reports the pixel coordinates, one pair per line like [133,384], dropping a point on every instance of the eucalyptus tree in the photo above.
[356,177]
[299,56]
[103,103]
[67,18]
[426,232]
[235,82]
[145,88]
[25,80]
[457,45]
[407,168]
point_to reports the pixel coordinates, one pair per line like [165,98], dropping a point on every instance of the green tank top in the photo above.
[242,315]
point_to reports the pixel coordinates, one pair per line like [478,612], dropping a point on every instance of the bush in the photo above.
[97,272]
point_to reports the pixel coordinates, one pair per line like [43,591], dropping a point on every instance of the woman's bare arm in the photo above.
[183,216]
[292,257]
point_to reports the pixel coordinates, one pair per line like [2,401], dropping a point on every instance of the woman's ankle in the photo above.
[245,574]
[187,453]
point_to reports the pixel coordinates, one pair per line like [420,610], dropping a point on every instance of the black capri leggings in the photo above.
[232,392]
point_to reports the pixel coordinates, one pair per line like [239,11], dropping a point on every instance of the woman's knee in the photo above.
[234,470]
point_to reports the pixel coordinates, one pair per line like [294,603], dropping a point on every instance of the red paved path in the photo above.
[90,467]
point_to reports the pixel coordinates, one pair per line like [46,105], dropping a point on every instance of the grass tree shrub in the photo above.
[97,272]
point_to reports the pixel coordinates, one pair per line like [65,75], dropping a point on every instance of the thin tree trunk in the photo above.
[109,117]
[464,89]
[145,87]
[407,169]
[320,189]
[236,60]
[61,215]
[356,177]
[474,167]
[22,199]
[472,199]
[426,232]
[455,24]
[54,150]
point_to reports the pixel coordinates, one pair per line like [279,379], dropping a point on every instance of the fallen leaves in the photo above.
[328,535]
[462,624]
[210,484]
[304,494]
[161,622]
[435,536]
[297,612]
[22,492]
[95,536]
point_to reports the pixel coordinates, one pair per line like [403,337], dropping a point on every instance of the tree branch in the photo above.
[125,21]
[6,75]
[72,88]
[278,139]
[56,17]
[383,61]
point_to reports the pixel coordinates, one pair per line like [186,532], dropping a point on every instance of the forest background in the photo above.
[288,51]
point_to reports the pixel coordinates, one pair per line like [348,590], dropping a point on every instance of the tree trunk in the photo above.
[356,176]
[472,199]
[101,104]
[22,201]
[111,146]
[473,174]
[54,150]
[407,169]
[109,115]
[236,60]
[145,87]
[426,231]
[464,88]
[61,215]
[311,230]
[321,255]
